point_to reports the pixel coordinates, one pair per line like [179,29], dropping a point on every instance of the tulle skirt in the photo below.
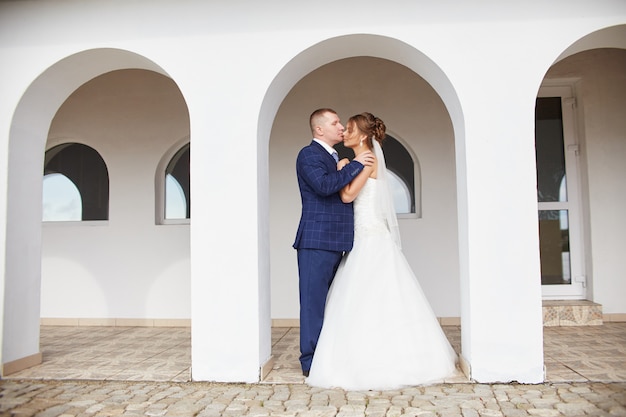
[379,331]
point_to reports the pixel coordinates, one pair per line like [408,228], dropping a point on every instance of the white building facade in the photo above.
[457,85]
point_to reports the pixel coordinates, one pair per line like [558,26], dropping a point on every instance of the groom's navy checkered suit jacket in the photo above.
[327,222]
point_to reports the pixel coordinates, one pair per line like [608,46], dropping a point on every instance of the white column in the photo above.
[229,279]
[22,273]
[502,333]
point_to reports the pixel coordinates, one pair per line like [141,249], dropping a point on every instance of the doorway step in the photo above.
[571,313]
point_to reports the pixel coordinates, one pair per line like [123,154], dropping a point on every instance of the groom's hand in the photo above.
[366,158]
[342,163]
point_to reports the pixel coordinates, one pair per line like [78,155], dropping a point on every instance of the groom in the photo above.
[326,228]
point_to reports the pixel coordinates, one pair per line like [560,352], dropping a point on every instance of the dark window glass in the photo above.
[177,187]
[85,168]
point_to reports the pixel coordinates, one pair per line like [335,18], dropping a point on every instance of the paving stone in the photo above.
[514,412]
[543,412]
[209,413]
[489,412]
[617,410]
[425,413]
[154,412]
[55,398]
[469,412]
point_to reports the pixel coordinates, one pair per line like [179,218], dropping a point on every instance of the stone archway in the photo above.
[327,52]
[27,139]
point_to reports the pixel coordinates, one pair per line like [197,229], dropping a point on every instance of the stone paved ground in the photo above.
[108,398]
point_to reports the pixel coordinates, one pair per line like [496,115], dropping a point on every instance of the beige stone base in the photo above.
[267,368]
[614,317]
[285,323]
[116,322]
[555,313]
[465,367]
[444,321]
[50,321]
[20,364]
[571,313]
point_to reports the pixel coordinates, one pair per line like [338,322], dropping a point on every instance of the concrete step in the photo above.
[571,313]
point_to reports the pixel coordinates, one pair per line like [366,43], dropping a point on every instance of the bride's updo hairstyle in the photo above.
[372,126]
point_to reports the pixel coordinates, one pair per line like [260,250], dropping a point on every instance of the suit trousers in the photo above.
[317,269]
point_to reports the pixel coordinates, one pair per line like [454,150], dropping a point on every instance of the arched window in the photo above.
[402,169]
[177,189]
[402,197]
[75,185]
[61,199]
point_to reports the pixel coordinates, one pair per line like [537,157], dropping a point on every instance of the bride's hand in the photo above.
[342,163]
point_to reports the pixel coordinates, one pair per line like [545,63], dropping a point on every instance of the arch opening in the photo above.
[28,135]
[326,54]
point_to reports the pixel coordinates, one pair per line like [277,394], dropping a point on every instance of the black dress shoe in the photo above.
[305,372]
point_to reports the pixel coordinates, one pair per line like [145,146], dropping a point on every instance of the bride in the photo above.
[379,331]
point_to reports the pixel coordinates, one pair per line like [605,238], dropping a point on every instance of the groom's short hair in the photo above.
[317,116]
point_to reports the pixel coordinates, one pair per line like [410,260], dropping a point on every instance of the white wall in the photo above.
[415,115]
[128,266]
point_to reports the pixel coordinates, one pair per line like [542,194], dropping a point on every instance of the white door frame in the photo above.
[577,288]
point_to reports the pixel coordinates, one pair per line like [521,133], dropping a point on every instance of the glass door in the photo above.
[560,241]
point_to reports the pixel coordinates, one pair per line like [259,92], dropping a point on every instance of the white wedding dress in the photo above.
[379,331]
